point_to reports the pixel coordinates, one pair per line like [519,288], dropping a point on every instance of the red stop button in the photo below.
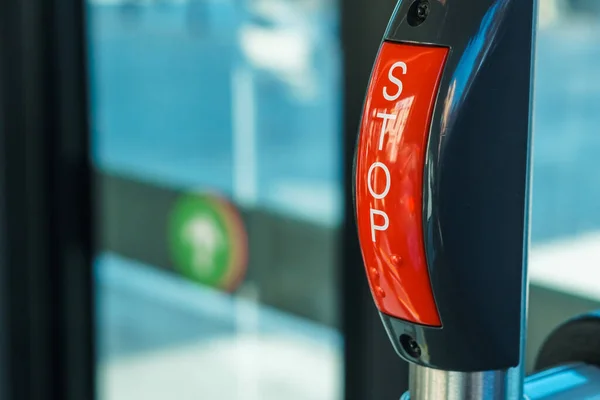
[389,179]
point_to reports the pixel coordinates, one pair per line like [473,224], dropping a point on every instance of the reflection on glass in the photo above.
[561,382]
[566,175]
[216,139]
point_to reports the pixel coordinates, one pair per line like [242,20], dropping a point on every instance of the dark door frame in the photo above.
[372,368]
[46,289]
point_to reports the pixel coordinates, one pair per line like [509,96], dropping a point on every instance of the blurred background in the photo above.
[217,135]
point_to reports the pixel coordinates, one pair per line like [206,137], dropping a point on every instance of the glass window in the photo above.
[566,185]
[566,179]
[217,144]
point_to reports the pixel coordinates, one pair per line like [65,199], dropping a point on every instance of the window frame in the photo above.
[46,282]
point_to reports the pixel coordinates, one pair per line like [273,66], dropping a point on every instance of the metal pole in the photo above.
[431,384]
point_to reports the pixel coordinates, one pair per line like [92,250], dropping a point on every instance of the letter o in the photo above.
[388,180]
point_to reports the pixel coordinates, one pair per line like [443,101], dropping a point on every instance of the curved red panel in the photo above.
[389,179]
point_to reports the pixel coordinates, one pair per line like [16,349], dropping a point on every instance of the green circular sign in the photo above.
[207,241]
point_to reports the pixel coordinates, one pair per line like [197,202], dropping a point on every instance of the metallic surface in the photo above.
[390,158]
[477,187]
[432,384]
[567,382]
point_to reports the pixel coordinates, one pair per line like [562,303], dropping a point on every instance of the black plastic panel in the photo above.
[476,189]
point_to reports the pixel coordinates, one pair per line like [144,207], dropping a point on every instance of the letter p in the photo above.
[374,227]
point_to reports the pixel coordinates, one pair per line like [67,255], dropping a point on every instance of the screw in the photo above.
[418,12]
[410,346]
[423,10]
[414,348]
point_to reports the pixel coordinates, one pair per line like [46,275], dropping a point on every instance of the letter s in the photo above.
[395,80]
